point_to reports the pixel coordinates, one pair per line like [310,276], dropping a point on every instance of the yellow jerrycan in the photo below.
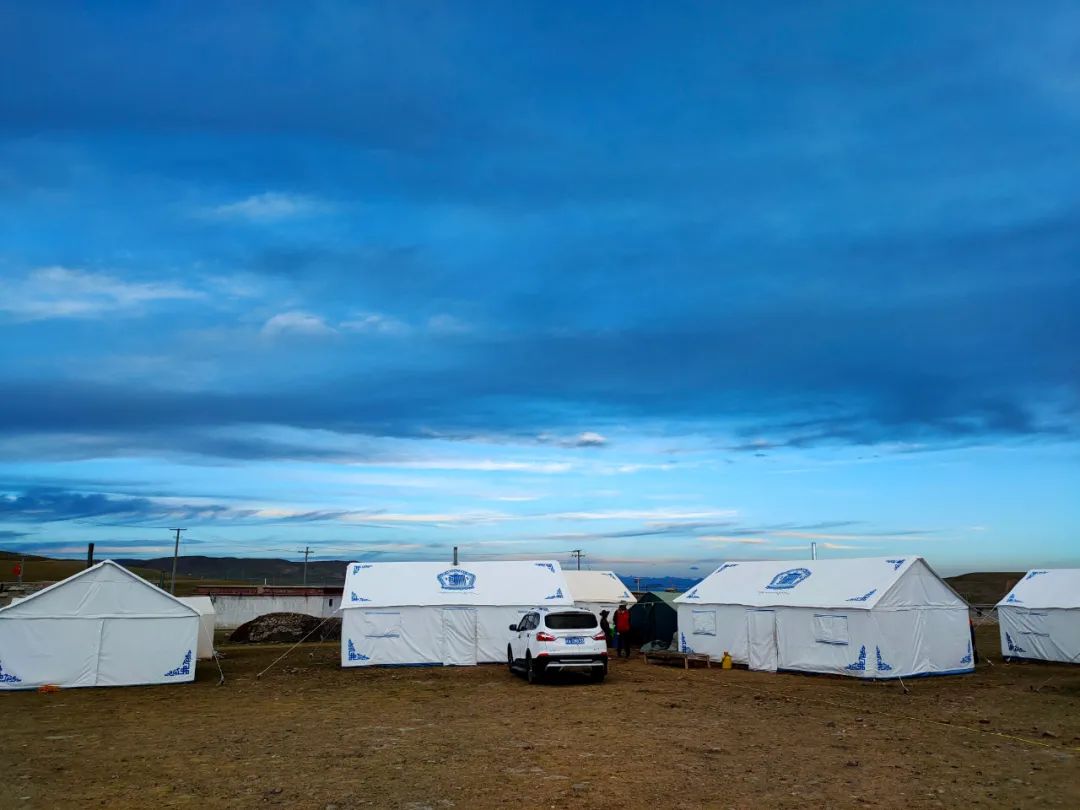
[725,662]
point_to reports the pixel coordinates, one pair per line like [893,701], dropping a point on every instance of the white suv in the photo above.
[557,639]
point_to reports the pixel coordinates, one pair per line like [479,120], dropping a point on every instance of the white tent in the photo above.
[598,590]
[1040,616]
[434,613]
[207,616]
[868,618]
[104,626]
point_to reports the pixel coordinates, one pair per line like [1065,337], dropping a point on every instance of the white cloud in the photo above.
[61,292]
[647,514]
[436,517]
[448,325]
[483,465]
[297,322]
[269,206]
[375,323]
[590,439]
[743,541]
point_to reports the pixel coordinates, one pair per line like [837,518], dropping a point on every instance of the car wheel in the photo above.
[532,674]
[598,675]
[510,659]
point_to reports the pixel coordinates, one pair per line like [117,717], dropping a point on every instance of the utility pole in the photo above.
[307,553]
[175,555]
[577,554]
[637,583]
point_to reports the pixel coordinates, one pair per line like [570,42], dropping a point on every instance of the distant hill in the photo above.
[680,584]
[44,569]
[249,569]
[986,587]
[980,588]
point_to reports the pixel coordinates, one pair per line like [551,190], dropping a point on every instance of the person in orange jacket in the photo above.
[622,630]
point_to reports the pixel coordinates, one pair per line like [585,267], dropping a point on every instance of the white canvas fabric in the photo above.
[207,617]
[101,627]
[598,590]
[433,613]
[1040,617]
[1046,588]
[867,618]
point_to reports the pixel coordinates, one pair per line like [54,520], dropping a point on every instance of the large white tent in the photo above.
[104,626]
[598,590]
[867,618]
[433,613]
[1040,616]
[207,616]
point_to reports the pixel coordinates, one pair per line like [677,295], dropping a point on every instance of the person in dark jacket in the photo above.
[622,630]
[605,625]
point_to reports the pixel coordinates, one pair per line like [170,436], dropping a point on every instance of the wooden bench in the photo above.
[669,656]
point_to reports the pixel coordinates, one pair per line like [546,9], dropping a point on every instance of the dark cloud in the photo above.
[50,505]
[837,238]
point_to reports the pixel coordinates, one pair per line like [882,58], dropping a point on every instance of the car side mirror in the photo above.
[513,627]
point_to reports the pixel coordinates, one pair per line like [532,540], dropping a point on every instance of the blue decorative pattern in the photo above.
[1012,600]
[557,595]
[686,648]
[354,597]
[786,580]
[860,664]
[7,677]
[862,598]
[456,579]
[1033,574]
[354,655]
[724,567]
[1013,647]
[896,563]
[549,566]
[692,594]
[967,658]
[881,665]
[358,567]
[183,669]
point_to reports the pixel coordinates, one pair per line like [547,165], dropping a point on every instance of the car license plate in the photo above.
[575,640]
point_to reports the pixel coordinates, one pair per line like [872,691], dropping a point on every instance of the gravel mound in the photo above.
[286,628]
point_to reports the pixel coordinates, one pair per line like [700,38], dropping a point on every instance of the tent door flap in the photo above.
[459,636]
[761,640]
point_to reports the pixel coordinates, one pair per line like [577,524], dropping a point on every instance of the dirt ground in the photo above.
[312,735]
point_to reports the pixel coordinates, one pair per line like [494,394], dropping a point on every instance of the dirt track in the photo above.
[312,735]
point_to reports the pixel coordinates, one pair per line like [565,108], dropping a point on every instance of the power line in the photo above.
[578,554]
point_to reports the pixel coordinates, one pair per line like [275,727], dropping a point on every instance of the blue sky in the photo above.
[668,285]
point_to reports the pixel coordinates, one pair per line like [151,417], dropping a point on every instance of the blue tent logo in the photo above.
[786,580]
[455,579]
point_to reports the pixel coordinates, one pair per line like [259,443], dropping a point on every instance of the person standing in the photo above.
[622,630]
[605,626]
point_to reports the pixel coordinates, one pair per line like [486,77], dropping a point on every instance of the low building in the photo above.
[236,604]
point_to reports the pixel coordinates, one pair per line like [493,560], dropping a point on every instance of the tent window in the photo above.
[704,622]
[382,624]
[1033,624]
[330,602]
[830,629]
